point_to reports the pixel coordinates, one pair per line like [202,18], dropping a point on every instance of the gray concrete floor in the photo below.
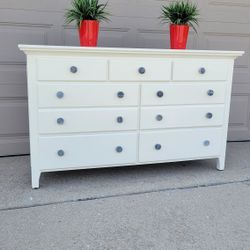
[188,205]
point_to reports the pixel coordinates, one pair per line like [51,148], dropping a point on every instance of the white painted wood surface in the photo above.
[87,120]
[188,70]
[58,69]
[87,95]
[181,116]
[125,69]
[87,151]
[183,93]
[180,144]
[91,137]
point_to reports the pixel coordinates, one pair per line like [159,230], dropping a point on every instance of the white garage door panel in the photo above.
[225,25]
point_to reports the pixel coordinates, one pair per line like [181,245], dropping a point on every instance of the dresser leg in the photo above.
[35,179]
[220,164]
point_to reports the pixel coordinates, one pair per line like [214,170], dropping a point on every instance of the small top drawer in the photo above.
[71,69]
[87,95]
[140,69]
[200,70]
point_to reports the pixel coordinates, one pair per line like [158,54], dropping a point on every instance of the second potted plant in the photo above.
[87,14]
[181,15]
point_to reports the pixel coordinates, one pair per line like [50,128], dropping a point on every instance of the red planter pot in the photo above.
[178,36]
[88,33]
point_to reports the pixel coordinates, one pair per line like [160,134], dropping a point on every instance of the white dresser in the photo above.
[100,107]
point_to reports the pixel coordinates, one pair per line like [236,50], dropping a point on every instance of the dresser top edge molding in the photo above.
[37,49]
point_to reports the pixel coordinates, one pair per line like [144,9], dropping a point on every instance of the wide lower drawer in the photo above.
[61,152]
[178,144]
[181,116]
[87,95]
[71,69]
[87,120]
[179,93]
[200,70]
[139,69]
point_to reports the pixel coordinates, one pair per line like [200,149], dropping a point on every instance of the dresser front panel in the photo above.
[140,69]
[87,150]
[87,95]
[71,69]
[87,120]
[182,116]
[200,70]
[183,93]
[180,144]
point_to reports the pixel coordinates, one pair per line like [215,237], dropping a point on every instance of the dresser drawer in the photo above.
[61,152]
[181,116]
[200,70]
[71,69]
[87,120]
[187,93]
[87,95]
[180,144]
[140,69]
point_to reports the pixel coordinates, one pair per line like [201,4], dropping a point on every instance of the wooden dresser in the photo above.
[103,107]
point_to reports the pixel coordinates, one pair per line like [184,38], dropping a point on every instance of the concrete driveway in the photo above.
[188,205]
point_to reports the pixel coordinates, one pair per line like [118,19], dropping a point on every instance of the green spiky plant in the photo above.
[86,10]
[181,12]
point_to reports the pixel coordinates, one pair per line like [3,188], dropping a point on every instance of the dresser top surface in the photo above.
[34,49]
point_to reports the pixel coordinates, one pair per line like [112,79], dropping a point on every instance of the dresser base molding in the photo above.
[116,107]
[36,174]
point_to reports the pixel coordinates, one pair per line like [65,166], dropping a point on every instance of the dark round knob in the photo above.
[159,117]
[158,146]
[202,71]
[120,94]
[73,69]
[160,94]
[209,115]
[119,149]
[206,143]
[60,121]
[60,153]
[210,92]
[60,94]
[119,119]
[142,70]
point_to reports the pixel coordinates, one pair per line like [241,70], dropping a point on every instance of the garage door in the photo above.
[225,24]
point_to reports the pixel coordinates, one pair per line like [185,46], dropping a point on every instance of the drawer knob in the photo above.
[158,146]
[120,94]
[202,71]
[60,94]
[159,117]
[60,153]
[119,149]
[160,94]
[142,70]
[209,115]
[60,121]
[73,69]
[210,92]
[206,143]
[119,119]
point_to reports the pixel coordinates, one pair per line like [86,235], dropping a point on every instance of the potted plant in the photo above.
[181,15]
[87,14]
